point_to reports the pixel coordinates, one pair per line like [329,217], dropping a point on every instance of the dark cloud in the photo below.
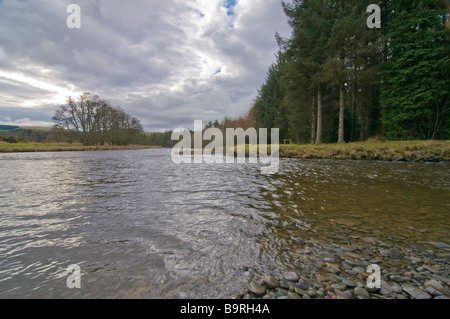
[156,59]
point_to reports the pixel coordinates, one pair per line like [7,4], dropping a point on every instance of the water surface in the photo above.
[140,226]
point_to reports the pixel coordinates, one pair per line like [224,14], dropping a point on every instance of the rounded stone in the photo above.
[271,281]
[442,245]
[293,295]
[303,285]
[341,294]
[385,253]
[416,293]
[397,289]
[386,289]
[395,253]
[435,285]
[339,286]
[257,289]
[291,276]
[361,292]
[349,283]
[300,291]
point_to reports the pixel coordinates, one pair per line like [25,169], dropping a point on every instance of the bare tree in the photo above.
[92,121]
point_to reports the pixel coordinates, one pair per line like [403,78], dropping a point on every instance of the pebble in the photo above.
[341,294]
[433,291]
[416,293]
[442,245]
[399,279]
[349,283]
[432,269]
[349,248]
[334,270]
[442,278]
[256,288]
[300,291]
[397,289]
[354,255]
[441,297]
[303,285]
[435,285]
[271,281]
[361,292]
[395,253]
[386,289]
[291,276]
[340,286]
[358,270]
[293,295]
[385,253]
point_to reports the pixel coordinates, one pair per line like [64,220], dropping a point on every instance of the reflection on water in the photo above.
[140,226]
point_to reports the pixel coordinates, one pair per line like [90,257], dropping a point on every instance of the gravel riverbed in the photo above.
[328,272]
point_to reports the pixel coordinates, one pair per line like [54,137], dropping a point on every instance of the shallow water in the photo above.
[140,226]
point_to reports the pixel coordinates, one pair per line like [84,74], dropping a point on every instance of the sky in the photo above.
[167,63]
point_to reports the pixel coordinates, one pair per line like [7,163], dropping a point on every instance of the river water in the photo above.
[140,226]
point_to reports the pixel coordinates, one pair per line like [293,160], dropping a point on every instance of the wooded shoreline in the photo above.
[407,151]
[64,147]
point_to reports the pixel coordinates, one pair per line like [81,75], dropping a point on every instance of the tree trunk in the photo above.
[319,117]
[362,134]
[341,114]
[355,83]
[313,119]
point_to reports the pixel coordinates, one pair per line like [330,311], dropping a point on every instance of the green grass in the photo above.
[59,147]
[411,151]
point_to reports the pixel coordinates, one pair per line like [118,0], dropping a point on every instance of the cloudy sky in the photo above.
[167,63]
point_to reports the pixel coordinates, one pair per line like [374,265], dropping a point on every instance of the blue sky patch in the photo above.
[229,4]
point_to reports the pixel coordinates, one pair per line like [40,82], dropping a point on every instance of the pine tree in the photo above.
[417,87]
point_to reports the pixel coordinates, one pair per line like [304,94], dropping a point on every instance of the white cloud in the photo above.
[24,122]
[157,59]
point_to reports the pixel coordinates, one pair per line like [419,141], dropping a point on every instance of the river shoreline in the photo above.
[392,151]
[342,273]
[55,147]
[398,151]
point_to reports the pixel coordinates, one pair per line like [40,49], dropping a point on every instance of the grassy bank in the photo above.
[60,147]
[410,151]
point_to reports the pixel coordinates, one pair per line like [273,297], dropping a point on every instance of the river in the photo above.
[140,226]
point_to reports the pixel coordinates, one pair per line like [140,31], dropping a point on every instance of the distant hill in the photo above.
[37,128]
[8,127]
[27,133]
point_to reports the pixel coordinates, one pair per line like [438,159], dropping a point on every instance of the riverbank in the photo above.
[61,147]
[343,273]
[406,151]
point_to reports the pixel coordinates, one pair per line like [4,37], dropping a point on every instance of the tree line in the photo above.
[90,120]
[336,80]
